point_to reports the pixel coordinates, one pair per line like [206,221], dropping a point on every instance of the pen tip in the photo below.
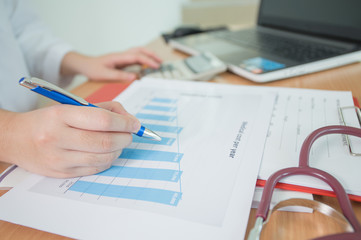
[157,138]
[152,135]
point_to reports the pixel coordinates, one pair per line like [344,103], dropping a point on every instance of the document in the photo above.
[197,183]
[12,176]
[296,113]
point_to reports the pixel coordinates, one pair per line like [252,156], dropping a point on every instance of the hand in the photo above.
[108,67]
[66,141]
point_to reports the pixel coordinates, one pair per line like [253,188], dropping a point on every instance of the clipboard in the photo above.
[291,187]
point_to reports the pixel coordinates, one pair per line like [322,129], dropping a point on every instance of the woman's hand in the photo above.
[108,67]
[64,140]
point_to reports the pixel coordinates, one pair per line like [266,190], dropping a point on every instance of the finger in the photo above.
[113,107]
[75,164]
[86,171]
[118,75]
[89,164]
[116,107]
[85,159]
[150,54]
[137,58]
[93,141]
[76,171]
[96,119]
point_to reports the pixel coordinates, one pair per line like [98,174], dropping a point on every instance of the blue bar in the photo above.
[155,117]
[152,155]
[142,173]
[163,128]
[160,108]
[164,100]
[164,141]
[137,193]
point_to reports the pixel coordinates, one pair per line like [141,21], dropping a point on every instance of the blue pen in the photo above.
[60,95]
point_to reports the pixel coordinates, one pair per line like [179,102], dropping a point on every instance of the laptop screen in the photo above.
[333,18]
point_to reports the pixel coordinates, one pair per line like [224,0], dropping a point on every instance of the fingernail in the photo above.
[136,126]
[131,77]
[155,65]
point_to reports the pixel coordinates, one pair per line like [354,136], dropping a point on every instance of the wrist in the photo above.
[8,136]
[73,63]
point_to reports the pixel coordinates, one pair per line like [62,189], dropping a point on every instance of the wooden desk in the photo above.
[299,225]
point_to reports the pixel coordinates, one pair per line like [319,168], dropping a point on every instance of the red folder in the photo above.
[110,91]
[107,93]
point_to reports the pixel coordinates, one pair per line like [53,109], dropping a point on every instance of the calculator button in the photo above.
[185,72]
[156,75]
[176,74]
[167,74]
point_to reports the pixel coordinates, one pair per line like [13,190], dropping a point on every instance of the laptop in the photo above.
[291,38]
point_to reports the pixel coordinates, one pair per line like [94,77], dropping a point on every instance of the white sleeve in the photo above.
[42,51]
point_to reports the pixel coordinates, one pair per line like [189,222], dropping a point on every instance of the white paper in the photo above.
[296,114]
[13,178]
[216,157]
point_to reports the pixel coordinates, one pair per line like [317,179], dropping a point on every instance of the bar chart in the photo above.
[202,152]
[161,114]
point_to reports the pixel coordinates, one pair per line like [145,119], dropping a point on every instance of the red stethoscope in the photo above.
[304,169]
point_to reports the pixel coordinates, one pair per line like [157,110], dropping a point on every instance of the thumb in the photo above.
[118,108]
[113,107]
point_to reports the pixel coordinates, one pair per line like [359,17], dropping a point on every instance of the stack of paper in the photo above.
[197,183]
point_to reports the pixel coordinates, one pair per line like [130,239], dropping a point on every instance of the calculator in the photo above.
[200,67]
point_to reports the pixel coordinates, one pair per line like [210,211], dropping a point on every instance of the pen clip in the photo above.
[33,83]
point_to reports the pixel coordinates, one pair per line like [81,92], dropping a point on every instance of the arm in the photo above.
[41,50]
[47,57]
[39,140]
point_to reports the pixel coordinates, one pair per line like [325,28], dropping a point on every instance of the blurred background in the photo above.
[97,27]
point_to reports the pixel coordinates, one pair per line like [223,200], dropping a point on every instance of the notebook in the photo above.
[291,38]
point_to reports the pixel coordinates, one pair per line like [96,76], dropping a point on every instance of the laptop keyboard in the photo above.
[290,48]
